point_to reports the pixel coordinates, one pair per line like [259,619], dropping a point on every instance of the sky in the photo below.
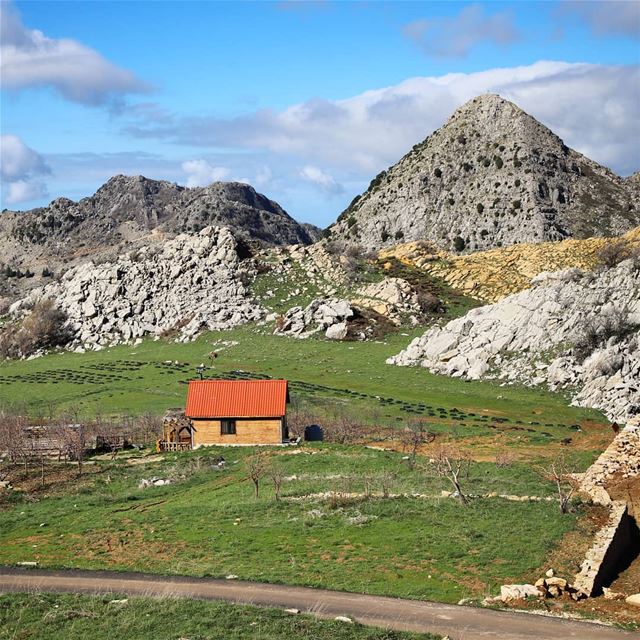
[305,101]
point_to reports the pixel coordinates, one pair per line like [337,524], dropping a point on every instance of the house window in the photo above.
[227,427]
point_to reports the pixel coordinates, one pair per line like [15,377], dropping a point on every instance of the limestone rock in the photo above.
[511,592]
[529,338]
[183,286]
[633,600]
[322,314]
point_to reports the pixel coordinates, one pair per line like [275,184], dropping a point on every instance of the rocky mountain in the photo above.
[574,330]
[491,176]
[132,210]
[181,287]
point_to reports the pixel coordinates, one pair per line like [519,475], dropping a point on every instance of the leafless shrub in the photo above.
[256,467]
[413,437]
[613,253]
[344,429]
[145,429]
[505,458]
[72,438]
[560,473]
[13,445]
[336,247]
[174,330]
[450,462]
[276,474]
[599,330]
[387,482]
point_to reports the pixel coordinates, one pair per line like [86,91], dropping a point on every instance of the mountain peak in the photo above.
[491,176]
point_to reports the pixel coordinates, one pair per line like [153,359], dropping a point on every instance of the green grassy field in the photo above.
[136,379]
[74,617]
[208,523]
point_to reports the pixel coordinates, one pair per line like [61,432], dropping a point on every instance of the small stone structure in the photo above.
[619,538]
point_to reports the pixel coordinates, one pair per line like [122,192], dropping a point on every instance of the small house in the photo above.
[236,412]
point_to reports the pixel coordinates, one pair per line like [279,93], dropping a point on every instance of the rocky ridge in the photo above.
[130,211]
[185,285]
[491,176]
[531,337]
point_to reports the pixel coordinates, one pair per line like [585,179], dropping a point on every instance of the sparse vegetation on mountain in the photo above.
[541,190]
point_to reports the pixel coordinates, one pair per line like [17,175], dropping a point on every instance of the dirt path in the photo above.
[459,623]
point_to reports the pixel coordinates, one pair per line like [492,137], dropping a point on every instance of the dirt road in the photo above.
[459,623]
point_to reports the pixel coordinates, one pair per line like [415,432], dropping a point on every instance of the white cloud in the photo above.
[200,173]
[455,37]
[320,179]
[21,171]
[592,107]
[264,177]
[77,72]
[24,191]
[605,18]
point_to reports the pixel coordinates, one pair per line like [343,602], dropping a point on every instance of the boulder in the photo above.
[633,600]
[511,592]
[337,331]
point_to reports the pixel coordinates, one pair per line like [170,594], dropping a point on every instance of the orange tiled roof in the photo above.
[236,398]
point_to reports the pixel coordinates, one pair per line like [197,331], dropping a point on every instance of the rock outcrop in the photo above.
[183,286]
[491,176]
[321,315]
[393,298]
[573,329]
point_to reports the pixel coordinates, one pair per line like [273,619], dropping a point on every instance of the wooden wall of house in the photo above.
[248,431]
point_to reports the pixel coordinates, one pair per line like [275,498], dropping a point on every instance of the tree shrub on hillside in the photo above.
[44,328]
[613,253]
[598,331]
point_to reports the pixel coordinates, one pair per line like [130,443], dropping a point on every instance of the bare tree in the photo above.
[387,481]
[13,442]
[276,474]
[72,439]
[559,472]
[413,437]
[452,463]
[343,428]
[298,418]
[613,253]
[147,428]
[256,467]
[505,458]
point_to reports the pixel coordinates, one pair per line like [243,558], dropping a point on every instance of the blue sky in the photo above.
[304,100]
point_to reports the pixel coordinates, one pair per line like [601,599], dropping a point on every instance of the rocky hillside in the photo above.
[573,329]
[131,210]
[491,176]
[185,285]
[491,275]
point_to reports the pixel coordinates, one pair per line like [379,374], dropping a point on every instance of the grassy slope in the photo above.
[208,523]
[133,380]
[51,617]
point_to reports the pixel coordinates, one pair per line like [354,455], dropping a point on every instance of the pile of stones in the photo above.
[328,315]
